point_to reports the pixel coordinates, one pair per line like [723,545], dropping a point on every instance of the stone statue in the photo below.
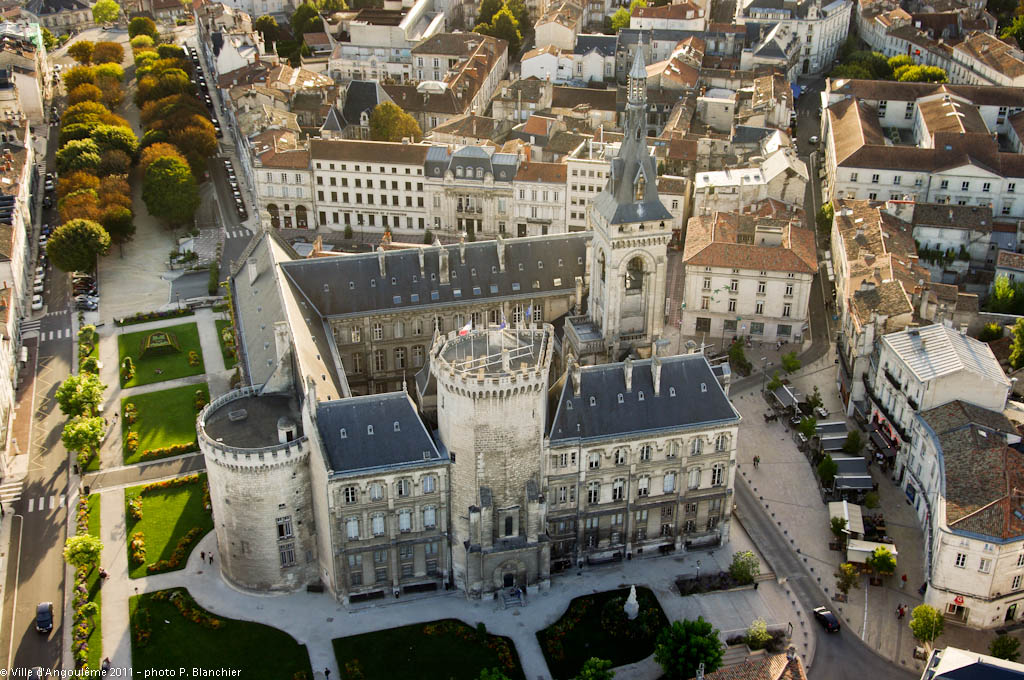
[632,607]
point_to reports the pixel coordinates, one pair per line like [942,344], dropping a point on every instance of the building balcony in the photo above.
[583,335]
[892,380]
[469,209]
[880,405]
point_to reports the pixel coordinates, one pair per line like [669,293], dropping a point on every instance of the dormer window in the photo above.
[397,427]
[641,185]
[621,400]
[593,401]
[640,395]
[344,433]
[369,430]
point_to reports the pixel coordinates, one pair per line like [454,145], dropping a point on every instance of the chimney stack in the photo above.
[627,368]
[500,244]
[380,260]
[422,263]
[656,374]
[462,248]
[576,374]
[443,266]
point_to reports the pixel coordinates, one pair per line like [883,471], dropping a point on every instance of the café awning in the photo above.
[883,446]
[785,396]
[859,551]
[851,512]
[854,482]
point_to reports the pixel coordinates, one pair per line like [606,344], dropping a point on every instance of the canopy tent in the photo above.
[859,551]
[785,396]
[853,482]
[834,428]
[832,443]
[851,513]
[850,465]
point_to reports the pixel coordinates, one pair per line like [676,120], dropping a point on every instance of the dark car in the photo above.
[827,619]
[44,617]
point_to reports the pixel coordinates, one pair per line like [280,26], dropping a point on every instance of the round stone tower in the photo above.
[491,410]
[257,463]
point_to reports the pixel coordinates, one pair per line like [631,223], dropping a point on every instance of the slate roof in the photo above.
[375,152]
[992,52]
[361,95]
[962,664]
[889,90]
[934,351]
[338,286]
[689,396]
[440,159]
[256,303]
[380,431]
[571,97]
[974,217]
[603,44]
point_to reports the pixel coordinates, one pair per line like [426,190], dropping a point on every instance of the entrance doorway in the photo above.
[1011,612]
[508,580]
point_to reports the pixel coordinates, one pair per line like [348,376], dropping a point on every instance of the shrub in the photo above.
[758,635]
[745,566]
[141,626]
[131,442]
[200,400]
[193,358]
[90,365]
[127,369]
[213,285]
[131,413]
[178,556]
[166,451]
[135,508]
[991,331]
[170,483]
[138,548]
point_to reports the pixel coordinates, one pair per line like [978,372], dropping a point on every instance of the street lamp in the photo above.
[698,570]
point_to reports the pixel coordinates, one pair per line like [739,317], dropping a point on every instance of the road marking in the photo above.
[31,502]
[62,499]
[53,502]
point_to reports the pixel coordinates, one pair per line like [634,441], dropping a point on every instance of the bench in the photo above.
[240,414]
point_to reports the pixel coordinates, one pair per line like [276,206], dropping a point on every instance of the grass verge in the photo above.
[165,422]
[158,367]
[170,510]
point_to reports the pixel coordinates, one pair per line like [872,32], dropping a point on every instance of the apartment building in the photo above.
[748,273]
[781,176]
[284,181]
[820,27]
[961,474]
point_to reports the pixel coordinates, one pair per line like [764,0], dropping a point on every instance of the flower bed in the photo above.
[144,317]
[172,517]
[164,361]
[86,635]
[161,424]
[707,583]
[426,651]
[184,603]
[180,554]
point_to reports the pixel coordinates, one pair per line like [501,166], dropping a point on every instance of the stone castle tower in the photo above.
[492,401]
[632,229]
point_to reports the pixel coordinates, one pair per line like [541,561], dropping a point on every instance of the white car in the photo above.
[38,288]
[37,303]
[813,139]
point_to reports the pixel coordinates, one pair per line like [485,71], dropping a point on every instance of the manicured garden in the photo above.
[226,334]
[171,631]
[161,424]
[146,317]
[597,626]
[86,635]
[423,649]
[88,349]
[165,522]
[147,357]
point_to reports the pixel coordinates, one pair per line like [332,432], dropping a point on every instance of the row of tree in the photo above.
[867,65]
[179,137]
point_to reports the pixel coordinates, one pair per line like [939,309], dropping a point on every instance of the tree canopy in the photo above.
[926,624]
[81,51]
[80,394]
[141,42]
[114,138]
[143,26]
[118,221]
[921,74]
[685,645]
[882,561]
[105,12]
[107,52]
[745,566]
[83,434]
[306,19]
[82,550]
[75,245]
[505,26]
[86,92]
[1017,345]
[596,669]
[1005,647]
[49,40]
[78,154]
[620,19]
[170,191]
[827,470]
[389,123]
[267,26]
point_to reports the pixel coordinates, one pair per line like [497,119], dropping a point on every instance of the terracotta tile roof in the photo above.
[726,240]
[296,159]
[765,667]
[992,52]
[983,475]
[455,44]
[317,39]
[670,184]
[976,218]
[566,14]
[888,298]
[571,97]
[951,114]
[470,125]
[681,11]
[353,150]
[889,90]
[535,171]
[853,125]
[553,50]
[1007,259]
[538,125]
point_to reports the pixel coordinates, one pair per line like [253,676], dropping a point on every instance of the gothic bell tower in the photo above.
[631,229]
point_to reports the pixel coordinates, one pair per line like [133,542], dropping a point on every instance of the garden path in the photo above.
[114,610]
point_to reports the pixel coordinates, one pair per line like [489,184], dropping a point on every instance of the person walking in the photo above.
[211,558]
[202,556]
[903,582]
[327,673]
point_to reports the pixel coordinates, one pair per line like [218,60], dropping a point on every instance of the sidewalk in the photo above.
[304,615]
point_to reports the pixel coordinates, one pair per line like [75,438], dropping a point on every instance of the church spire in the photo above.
[637,88]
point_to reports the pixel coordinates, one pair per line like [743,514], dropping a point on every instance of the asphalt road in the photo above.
[236,236]
[837,656]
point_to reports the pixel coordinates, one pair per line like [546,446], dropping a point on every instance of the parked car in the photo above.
[44,617]
[37,303]
[827,619]
[813,139]
[47,202]
[40,271]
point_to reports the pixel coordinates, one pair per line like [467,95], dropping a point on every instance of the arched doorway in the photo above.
[300,217]
[635,275]
[275,215]
[807,65]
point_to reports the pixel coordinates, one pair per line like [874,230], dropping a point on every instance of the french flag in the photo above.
[466,329]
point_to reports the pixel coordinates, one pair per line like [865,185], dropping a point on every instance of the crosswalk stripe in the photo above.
[53,502]
[31,502]
[62,499]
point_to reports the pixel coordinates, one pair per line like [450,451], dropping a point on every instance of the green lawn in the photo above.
[165,418]
[167,515]
[228,352]
[425,650]
[160,367]
[585,631]
[259,652]
[96,636]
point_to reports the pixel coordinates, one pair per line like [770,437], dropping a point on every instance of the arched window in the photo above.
[635,274]
[600,264]
[641,182]
[275,215]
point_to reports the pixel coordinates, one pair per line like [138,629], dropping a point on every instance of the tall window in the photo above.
[380,362]
[594,492]
[417,356]
[405,520]
[376,491]
[284,527]
[694,478]
[620,456]
[594,461]
[403,487]
[643,486]
[429,484]
[721,442]
[618,489]
[429,517]
[696,446]
[351,494]
[378,331]
[718,475]
[961,560]
[377,524]
[645,452]
[669,485]
[399,357]
[287,553]
[355,568]
[352,528]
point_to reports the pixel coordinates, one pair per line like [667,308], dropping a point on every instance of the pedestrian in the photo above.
[202,556]
[211,558]
[903,582]
[899,611]
[327,672]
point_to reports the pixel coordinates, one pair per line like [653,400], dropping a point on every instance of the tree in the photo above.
[81,51]
[49,41]
[111,138]
[757,634]
[808,427]
[107,52]
[267,26]
[75,245]
[114,163]
[838,527]
[170,191]
[790,363]
[685,645]
[1015,30]
[143,26]
[78,154]
[156,151]
[492,674]
[745,566]
[827,470]
[847,577]
[83,205]
[1017,345]
[108,70]
[80,394]
[775,383]
[487,10]
[1001,300]
[199,141]
[85,112]
[140,42]
[900,60]
[83,550]
[991,331]
[851,71]
[1004,647]
[305,19]
[814,401]
[105,12]
[76,181]
[854,443]
[596,669]
[83,434]
[389,123]
[921,74]
[503,26]
[620,20]
[926,624]
[86,92]
[881,561]
[118,222]
[824,218]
